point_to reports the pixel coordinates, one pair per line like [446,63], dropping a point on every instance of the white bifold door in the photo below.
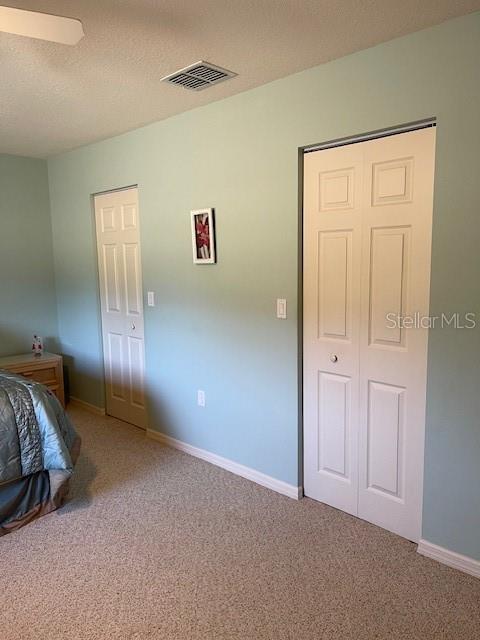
[367,247]
[120,276]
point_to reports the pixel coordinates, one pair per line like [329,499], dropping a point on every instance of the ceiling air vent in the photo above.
[199,76]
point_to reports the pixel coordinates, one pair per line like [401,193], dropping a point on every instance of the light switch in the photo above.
[281,308]
[151,298]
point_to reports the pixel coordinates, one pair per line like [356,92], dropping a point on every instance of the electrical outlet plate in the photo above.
[151,298]
[201,398]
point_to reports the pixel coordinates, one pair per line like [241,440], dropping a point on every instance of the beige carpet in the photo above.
[155,544]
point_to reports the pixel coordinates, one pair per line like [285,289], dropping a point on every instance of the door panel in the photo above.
[335,284]
[332,242]
[392,181]
[119,257]
[136,367]
[111,278]
[116,366]
[108,219]
[367,250]
[385,438]
[388,283]
[129,216]
[334,417]
[133,293]
[396,231]
[336,189]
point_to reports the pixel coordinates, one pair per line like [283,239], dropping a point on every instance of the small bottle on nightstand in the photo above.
[37,345]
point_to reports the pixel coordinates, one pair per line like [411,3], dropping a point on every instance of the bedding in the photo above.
[38,449]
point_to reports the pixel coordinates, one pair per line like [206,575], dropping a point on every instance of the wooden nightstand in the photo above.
[47,369]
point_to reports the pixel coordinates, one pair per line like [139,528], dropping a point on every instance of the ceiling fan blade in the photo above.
[43,26]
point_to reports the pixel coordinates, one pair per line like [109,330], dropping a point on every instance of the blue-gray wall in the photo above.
[27,289]
[214,327]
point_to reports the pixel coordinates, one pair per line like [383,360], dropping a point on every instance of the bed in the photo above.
[38,449]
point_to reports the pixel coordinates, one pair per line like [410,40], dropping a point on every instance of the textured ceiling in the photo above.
[54,97]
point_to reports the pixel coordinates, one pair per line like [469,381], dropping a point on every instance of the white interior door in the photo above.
[332,257]
[120,275]
[365,374]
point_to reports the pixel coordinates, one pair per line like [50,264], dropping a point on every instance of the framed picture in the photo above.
[203,236]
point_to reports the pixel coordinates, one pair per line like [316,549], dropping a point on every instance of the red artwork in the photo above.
[202,232]
[203,236]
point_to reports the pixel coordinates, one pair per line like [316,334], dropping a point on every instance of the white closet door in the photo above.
[367,248]
[332,253]
[120,275]
[396,256]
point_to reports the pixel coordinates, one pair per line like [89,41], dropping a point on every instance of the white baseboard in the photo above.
[76,402]
[234,467]
[450,558]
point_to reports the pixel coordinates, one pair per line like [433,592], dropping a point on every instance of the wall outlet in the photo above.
[201,398]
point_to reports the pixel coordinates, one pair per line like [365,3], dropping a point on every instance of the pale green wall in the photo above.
[27,290]
[214,327]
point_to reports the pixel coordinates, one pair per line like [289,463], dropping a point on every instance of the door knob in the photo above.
[334,358]
[133,327]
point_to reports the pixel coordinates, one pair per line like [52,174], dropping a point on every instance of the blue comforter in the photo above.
[38,448]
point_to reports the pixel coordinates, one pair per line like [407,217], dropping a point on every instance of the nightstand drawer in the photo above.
[45,376]
[46,369]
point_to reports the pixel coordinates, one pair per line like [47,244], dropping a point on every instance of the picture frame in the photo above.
[203,236]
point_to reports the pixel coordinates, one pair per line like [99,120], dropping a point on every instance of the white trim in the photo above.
[234,467]
[92,408]
[450,558]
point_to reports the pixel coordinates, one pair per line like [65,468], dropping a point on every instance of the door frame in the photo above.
[302,151]
[97,291]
